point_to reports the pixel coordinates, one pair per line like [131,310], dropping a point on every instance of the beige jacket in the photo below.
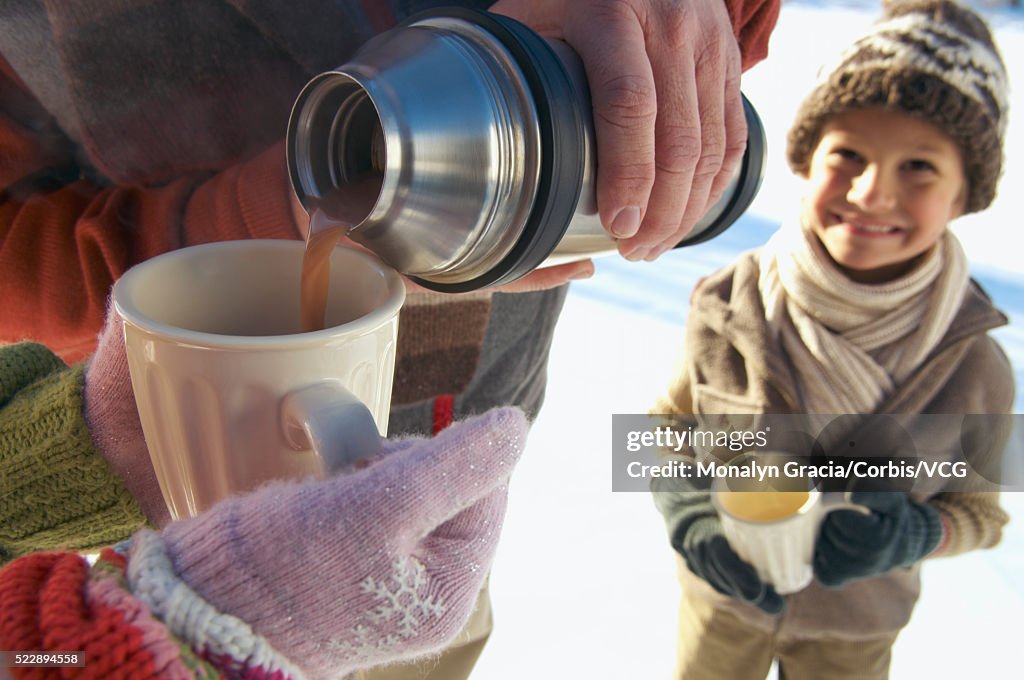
[732,365]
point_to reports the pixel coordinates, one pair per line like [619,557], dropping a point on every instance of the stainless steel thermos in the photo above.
[460,146]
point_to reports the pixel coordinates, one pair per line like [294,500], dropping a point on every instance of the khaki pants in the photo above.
[454,662]
[715,644]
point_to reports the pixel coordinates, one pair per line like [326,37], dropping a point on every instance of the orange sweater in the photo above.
[62,247]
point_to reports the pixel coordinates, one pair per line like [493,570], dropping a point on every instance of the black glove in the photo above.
[695,532]
[897,533]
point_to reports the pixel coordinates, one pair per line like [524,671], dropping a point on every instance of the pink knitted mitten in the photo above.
[113,420]
[377,566]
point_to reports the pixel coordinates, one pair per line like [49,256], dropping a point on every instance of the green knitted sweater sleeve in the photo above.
[56,489]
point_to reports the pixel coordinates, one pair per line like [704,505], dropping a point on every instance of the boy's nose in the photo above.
[872,190]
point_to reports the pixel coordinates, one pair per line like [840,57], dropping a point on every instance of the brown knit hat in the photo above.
[933,59]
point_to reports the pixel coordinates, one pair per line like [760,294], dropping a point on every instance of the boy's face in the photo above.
[883,187]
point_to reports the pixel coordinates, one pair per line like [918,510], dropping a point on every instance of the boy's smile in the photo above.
[883,187]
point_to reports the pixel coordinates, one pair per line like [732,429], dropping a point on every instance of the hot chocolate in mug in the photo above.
[231,393]
[773,522]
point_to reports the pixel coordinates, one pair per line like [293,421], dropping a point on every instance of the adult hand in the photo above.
[667,110]
[537,280]
[695,532]
[897,533]
[380,565]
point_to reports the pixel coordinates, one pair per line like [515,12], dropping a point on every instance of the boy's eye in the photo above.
[919,166]
[846,154]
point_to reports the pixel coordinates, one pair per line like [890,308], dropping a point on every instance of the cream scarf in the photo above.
[851,344]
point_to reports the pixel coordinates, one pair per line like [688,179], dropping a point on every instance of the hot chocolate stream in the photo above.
[324,233]
[330,219]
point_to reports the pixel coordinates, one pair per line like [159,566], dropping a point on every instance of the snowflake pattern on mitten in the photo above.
[404,606]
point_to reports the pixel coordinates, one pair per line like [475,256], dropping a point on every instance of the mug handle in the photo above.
[329,419]
[841,500]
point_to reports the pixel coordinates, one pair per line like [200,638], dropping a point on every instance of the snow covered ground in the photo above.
[584,584]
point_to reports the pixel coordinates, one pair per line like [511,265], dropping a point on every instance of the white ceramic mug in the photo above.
[230,392]
[773,523]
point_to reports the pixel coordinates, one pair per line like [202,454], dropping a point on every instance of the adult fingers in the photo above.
[549,277]
[543,278]
[624,102]
[696,63]
[678,150]
[735,135]
[723,142]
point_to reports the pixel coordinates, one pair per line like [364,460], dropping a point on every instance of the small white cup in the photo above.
[230,392]
[773,524]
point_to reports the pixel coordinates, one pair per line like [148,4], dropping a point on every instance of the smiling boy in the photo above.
[863,304]
[883,185]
